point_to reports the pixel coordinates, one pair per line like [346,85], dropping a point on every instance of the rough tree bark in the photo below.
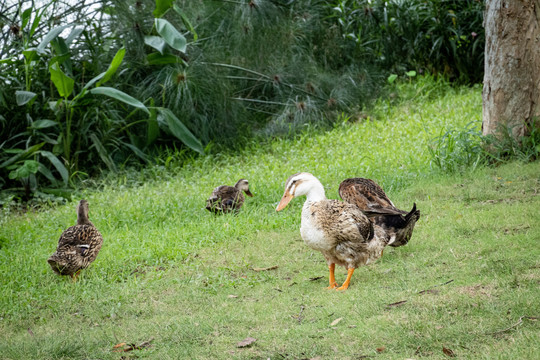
[511,95]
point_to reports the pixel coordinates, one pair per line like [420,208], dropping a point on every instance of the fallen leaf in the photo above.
[381,349]
[119,345]
[448,352]
[246,342]
[232,296]
[335,322]
[315,278]
[399,303]
[265,269]
[429,291]
[30,332]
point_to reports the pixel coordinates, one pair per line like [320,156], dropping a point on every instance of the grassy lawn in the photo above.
[173,274]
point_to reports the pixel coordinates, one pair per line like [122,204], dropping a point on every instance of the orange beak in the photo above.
[284,201]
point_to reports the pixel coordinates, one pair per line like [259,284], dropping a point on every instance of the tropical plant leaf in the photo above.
[73,35]
[161,7]
[24,97]
[58,165]
[137,151]
[64,84]
[102,152]
[171,35]
[42,124]
[20,154]
[25,17]
[30,54]
[120,95]
[63,55]
[23,171]
[158,59]
[157,42]
[93,81]
[180,131]
[115,63]
[47,173]
[153,126]
[186,21]
[50,36]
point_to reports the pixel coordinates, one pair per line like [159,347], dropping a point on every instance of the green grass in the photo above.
[171,271]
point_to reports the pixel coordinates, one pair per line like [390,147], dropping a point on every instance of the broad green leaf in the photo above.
[62,54]
[64,84]
[94,80]
[411,73]
[137,151]
[103,153]
[158,59]
[27,168]
[161,7]
[30,54]
[50,36]
[73,35]
[392,78]
[47,173]
[115,63]
[24,97]
[180,131]
[156,42]
[25,17]
[42,124]
[186,22]
[58,165]
[119,95]
[20,154]
[171,35]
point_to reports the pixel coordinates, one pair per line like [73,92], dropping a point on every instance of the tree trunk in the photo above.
[511,95]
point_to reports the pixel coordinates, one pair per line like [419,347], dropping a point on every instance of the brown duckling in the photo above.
[339,230]
[78,245]
[369,197]
[225,199]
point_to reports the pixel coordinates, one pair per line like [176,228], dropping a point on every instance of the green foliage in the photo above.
[464,148]
[457,150]
[504,146]
[440,37]
[59,105]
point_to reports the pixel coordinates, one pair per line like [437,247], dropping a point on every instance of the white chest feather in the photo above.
[312,235]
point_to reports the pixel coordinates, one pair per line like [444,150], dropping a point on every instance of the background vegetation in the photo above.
[172,274]
[105,85]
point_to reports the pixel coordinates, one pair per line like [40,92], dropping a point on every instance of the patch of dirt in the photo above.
[477,290]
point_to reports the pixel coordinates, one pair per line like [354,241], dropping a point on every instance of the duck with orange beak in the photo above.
[340,231]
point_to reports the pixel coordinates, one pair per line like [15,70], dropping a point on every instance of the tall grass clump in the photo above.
[459,149]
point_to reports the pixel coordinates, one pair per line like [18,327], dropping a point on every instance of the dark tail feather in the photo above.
[413,214]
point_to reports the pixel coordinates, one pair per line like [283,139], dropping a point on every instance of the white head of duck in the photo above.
[302,184]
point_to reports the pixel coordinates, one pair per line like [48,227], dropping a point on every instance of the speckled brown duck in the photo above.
[339,230]
[370,197]
[78,245]
[225,199]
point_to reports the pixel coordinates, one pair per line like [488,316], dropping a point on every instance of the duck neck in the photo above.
[316,193]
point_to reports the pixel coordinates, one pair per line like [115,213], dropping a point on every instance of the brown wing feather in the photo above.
[367,195]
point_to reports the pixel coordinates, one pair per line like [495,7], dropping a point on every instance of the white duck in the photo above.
[339,230]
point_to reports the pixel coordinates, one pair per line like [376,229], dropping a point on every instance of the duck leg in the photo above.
[348,280]
[333,283]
